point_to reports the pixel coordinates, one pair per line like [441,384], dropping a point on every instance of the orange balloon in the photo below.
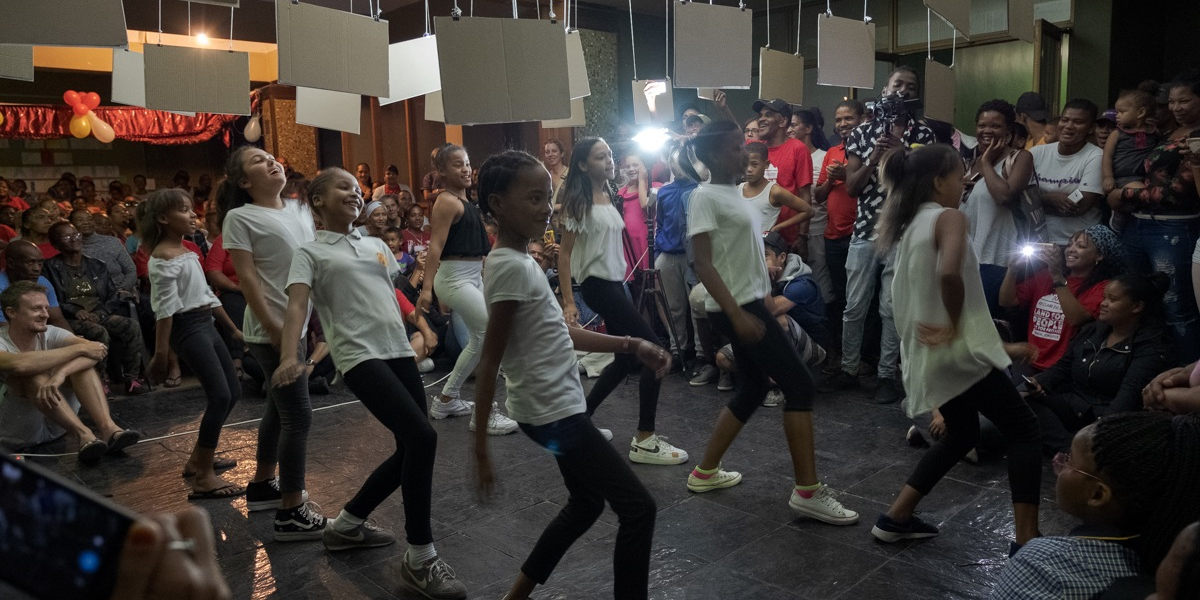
[81,109]
[71,97]
[103,131]
[91,99]
[80,127]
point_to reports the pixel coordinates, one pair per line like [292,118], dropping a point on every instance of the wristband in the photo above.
[626,347]
[1060,283]
[309,362]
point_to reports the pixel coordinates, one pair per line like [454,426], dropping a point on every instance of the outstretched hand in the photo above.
[653,356]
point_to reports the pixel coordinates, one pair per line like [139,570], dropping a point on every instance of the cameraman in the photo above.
[867,144]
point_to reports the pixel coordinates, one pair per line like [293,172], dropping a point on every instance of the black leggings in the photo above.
[594,473]
[772,357]
[995,398]
[608,299]
[195,339]
[392,390]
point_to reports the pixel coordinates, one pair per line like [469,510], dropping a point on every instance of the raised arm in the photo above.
[1004,189]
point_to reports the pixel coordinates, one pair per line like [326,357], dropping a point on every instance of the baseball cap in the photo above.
[775,242]
[777,105]
[1109,115]
[1033,105]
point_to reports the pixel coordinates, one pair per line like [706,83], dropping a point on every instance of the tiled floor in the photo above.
[739,543]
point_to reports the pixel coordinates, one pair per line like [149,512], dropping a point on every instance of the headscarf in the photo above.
[1108,243]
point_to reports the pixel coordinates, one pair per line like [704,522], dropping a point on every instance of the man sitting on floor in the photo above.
[36,363]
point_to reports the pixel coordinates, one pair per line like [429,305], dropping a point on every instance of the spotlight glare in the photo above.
[1027,250]
[651,139]
[202,38]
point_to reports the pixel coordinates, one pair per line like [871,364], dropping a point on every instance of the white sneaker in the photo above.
[425,366]
[498,422]
[774,398]
[607,433]
[456,407]
[823,506]
[720,479]
[972,456]
[655,450]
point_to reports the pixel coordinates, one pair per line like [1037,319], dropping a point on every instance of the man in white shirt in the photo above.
[1068,173]
[48,374]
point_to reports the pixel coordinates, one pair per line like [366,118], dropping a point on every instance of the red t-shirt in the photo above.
[1049,330]
[218,259]
[792,168]
[410,241]
[17,202]
[840,205]
[406,307]
[48,250]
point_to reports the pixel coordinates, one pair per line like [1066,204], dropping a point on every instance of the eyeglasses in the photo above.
[71,237]
[1062,461]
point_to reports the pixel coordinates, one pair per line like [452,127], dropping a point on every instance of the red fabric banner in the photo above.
[130,123]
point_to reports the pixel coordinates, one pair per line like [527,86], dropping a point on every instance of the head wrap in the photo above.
[372,206]
[1107,242]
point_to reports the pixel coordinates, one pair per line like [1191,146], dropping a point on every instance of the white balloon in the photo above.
[253,129]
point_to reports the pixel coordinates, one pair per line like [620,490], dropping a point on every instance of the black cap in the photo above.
[1033,105]
[777,105]
[775,242]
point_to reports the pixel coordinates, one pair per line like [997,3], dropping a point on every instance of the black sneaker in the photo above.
[265,495]
[889,390]
[889,531]
[299,524]
[318,386]
[838,382]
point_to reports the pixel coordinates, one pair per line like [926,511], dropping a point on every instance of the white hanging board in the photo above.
[939,91]
[1020,20]
[577,119]
[98,23]
[196,80]
[413,69]
[780,75]
[502,70]
[956,12]
[225,3]
[713,46]
[845,52]
[434,110]
[577,66]
[129,77]
[331,49]
[328,109]
[664,103]
[16,62]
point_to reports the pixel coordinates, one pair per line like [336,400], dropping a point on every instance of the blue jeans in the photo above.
[861,263]
[1166,247]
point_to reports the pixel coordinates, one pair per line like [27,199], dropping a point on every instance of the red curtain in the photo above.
[30,122]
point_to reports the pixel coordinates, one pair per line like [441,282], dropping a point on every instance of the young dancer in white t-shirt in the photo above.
[349,278]
[526,333]
[726,235]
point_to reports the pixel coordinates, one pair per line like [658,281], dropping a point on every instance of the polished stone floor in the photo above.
[739,543]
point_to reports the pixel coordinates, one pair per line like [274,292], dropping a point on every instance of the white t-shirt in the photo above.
[1196,253]
[21,423]
[351,281]
[990,227]
[768,214]
[51,339]
[735,230]
[1054,172]
[272,237]
[542,378]
[818,158]
[599,246]
[178,286]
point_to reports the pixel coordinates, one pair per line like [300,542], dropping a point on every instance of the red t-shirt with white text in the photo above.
[1049,330]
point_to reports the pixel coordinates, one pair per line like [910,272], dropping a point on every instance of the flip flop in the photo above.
[91,452]
[173,382]
[219,464]
[229,490]
[123,439]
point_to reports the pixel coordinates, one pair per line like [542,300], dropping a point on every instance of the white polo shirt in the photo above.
[351,280]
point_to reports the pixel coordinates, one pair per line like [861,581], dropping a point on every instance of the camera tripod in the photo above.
[653,299]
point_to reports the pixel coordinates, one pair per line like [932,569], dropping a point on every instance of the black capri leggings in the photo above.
[608,299]
[392,390]
[772,357]
[996,398]
[195,339]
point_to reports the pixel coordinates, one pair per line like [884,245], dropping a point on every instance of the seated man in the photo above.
[24,263]
[36,362]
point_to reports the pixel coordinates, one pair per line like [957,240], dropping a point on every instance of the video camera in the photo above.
[893,107]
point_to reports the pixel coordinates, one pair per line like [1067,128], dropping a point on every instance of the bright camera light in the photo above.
[650,140]
[1027,250]
[202,38]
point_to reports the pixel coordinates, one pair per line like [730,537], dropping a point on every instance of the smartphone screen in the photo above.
[57,539]
[548,237]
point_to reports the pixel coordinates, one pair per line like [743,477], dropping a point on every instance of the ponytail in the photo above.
[908,177]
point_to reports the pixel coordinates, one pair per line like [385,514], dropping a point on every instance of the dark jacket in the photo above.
[56,271]
[1108,379]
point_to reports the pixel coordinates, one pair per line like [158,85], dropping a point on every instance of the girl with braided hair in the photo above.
[1131,478]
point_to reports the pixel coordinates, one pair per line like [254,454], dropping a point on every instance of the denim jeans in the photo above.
[861,263]
[1165,246]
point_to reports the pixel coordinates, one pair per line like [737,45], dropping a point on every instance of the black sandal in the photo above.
[219,464]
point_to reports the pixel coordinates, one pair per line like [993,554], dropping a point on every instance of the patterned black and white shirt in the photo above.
[870,201]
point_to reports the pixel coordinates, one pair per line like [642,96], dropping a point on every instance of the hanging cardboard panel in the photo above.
[16,62]
[845,52]
[577,119]
[433,107]
[129,77]
[780,75]
[533,50]
[713,46]
[331,49]
[196,80]
[939,91]
[329,110]
[413,69]
[1020,20]
[956,12]
[577,66]
[98,23]
[664,103]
